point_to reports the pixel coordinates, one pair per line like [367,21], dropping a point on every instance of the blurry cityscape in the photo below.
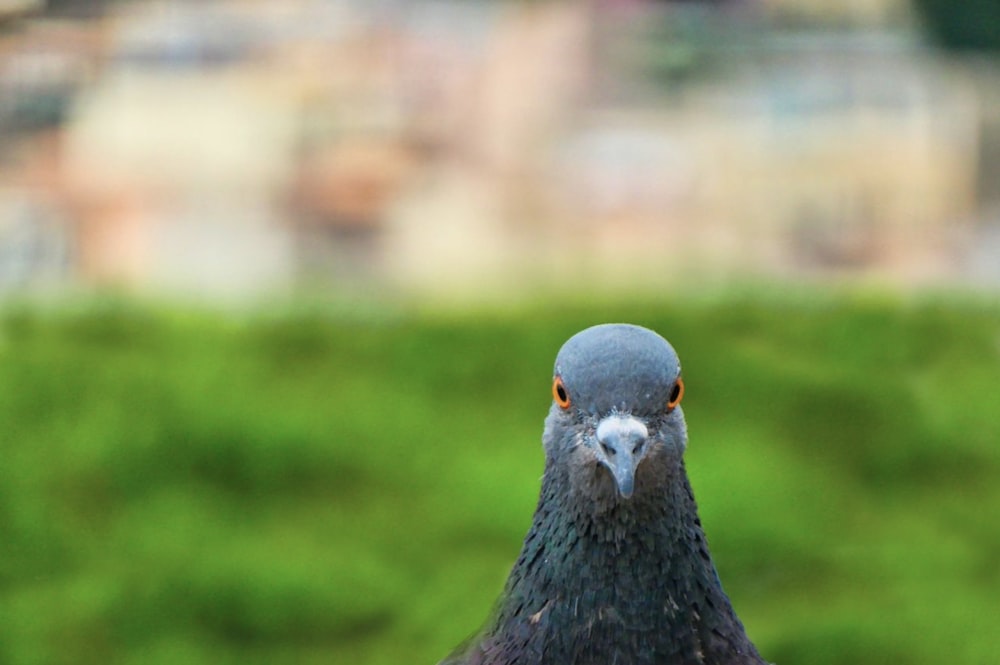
[246,148]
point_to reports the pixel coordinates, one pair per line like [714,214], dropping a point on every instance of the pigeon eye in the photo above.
[559,393]
[675,395]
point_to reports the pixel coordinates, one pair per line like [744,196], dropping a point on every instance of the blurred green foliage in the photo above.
[318,486]
[969,26]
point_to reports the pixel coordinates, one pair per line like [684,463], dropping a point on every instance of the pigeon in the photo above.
[615,569]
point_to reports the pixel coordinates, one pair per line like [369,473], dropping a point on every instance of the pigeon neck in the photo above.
[656,531]
[637,577]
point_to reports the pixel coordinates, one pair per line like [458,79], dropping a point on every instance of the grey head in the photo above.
[615,421]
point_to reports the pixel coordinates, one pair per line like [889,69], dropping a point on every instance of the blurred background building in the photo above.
[250,148]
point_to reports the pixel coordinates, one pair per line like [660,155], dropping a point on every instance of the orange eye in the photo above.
[675,395]
[559,393]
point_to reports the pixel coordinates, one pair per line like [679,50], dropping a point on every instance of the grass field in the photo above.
[318,486]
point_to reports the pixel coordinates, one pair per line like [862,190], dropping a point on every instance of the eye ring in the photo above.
[676,394]
[559,393]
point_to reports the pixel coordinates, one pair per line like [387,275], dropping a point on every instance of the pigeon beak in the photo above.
[622,442]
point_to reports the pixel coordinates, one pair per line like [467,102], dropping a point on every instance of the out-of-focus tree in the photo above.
[963,26]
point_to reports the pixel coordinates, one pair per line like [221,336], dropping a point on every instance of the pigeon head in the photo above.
[615,420]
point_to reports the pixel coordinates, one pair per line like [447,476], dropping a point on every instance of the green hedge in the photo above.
[323,487]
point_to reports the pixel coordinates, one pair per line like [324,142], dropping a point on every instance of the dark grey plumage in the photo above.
[615,569]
